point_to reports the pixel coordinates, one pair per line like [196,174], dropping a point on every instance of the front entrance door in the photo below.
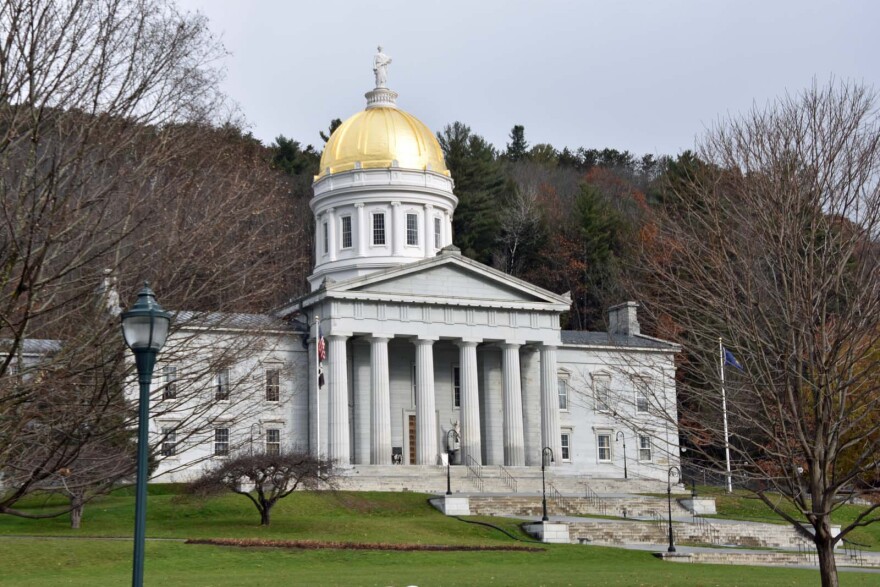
[411,434]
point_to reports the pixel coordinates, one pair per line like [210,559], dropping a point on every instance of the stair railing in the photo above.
[474,472]
[597,503]
[508,479]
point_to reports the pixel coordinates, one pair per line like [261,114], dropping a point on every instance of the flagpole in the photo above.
[317,387]
[724,412]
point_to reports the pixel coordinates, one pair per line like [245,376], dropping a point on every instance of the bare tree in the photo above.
[266,478]
[117,151]
[771,244]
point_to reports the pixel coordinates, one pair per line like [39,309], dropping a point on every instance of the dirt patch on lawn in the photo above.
[316,545]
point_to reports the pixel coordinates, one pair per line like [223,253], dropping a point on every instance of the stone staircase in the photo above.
[739,534]
[622,506]
[493,479]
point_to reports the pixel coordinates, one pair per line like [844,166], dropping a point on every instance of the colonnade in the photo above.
[426,442]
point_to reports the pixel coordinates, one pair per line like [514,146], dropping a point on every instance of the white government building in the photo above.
[426,350]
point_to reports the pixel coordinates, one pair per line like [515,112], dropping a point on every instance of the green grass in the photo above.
[52,559]
[48,561]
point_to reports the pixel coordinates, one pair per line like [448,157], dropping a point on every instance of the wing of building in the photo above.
[407,353]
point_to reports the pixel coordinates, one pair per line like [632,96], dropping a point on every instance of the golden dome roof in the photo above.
[376,137]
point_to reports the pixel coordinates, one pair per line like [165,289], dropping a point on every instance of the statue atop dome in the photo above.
[380,68]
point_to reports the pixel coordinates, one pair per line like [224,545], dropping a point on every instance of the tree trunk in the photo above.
[825,550]
[264,517]
[76,511]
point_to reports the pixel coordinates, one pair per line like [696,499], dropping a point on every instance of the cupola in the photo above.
[383,195]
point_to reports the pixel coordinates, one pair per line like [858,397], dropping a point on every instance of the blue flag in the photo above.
[729,359]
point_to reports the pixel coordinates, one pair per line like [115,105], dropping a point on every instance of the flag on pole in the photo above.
[729,359]
[322,356]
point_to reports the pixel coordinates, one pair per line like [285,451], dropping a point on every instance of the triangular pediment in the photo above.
[449,277]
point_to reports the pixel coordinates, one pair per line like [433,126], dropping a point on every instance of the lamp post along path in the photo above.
[669,473]
[621,436]
[544,451]
[145,327]
[449,449]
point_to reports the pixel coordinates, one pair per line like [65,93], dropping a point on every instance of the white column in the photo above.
[331,232]
[429,230]
[447,229]
[514,449]
[550,432]
[398,230]
[361,394]
[319,238]
[493,406]
[426,418]
[530,380]
[471,440]
[380,451]
[337,380]
[361,230]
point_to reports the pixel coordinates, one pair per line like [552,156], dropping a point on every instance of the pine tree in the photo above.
[517,148]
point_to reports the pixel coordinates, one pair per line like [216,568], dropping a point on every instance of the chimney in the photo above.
[623,319]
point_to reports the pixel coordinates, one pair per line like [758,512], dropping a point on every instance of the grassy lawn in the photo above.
[52,559]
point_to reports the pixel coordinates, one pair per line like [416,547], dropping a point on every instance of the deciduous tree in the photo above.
[772,243]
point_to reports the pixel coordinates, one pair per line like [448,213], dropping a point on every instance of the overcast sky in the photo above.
[646,76]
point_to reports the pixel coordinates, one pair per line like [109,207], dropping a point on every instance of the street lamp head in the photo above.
[145,325]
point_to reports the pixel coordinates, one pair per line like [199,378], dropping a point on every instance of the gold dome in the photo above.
[377,137]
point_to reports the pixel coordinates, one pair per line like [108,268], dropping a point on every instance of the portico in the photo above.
[420,364]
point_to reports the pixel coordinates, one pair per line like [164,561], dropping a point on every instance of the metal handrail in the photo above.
[557,497]
[595,501]
[475,472]
[854,551]
[508,479]
[706,529]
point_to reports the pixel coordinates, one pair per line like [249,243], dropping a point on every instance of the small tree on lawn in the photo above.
[266,478]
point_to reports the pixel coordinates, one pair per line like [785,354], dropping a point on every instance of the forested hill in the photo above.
[567,220]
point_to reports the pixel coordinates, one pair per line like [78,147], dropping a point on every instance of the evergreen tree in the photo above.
[334,124]
[289,156]
[517,148]
[479,185]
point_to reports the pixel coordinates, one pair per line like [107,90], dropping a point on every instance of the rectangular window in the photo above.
[566,446]
[644,448]
[379,229]
[273,385]
[603,444]
[169,442]
[602,390]
[413,384]
[562,384]
[169,374]
[643,388]
[456,386]
[412,229]
[221,391]
[273,441]
[346,232]
[221,442]
[326,238]
[438,237]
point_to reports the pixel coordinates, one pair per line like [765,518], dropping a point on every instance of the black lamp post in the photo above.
[621,436]
[669,503]
[145,328]
[544,451]
[449,459]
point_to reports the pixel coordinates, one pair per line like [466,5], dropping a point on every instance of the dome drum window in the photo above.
[412,230]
